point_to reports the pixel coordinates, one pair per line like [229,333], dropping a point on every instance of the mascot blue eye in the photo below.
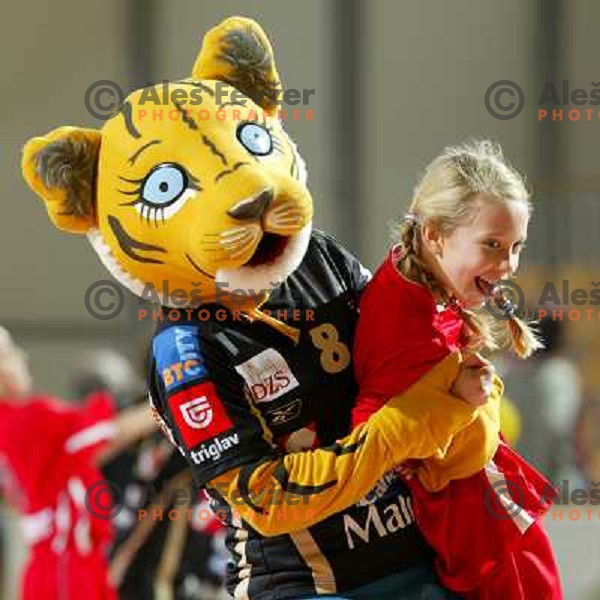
[164,184]
[256,139]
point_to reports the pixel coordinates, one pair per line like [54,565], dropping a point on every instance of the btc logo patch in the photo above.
[178,356]
[199,413]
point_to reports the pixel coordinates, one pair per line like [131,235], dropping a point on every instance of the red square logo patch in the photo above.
[199,413]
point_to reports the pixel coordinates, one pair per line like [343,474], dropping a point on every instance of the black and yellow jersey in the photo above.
[261,413]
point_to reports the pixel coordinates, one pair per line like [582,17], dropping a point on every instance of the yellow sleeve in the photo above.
[471,448]
[297,490]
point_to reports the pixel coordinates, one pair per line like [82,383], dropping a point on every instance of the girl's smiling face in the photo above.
[482,250]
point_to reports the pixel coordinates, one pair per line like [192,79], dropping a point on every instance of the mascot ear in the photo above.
[238,52]
[61,168]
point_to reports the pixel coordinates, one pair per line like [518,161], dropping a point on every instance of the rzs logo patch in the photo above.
[199,414]
[267,376]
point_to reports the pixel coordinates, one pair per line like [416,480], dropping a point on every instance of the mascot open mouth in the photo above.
[275,258]
[269,249]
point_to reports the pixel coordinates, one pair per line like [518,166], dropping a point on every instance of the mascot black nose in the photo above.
[253,208]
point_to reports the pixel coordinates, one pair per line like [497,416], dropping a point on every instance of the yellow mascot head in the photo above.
[205,191]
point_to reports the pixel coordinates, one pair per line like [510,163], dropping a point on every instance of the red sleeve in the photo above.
[396,341]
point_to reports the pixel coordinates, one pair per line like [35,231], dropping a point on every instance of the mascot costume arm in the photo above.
[418,424]
[181,199]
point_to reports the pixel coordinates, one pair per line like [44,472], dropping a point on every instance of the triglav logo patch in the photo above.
[197,413]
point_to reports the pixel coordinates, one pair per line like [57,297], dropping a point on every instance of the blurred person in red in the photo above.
[49,452]
[154,554]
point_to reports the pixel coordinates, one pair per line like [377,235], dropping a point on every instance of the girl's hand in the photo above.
[474,382]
